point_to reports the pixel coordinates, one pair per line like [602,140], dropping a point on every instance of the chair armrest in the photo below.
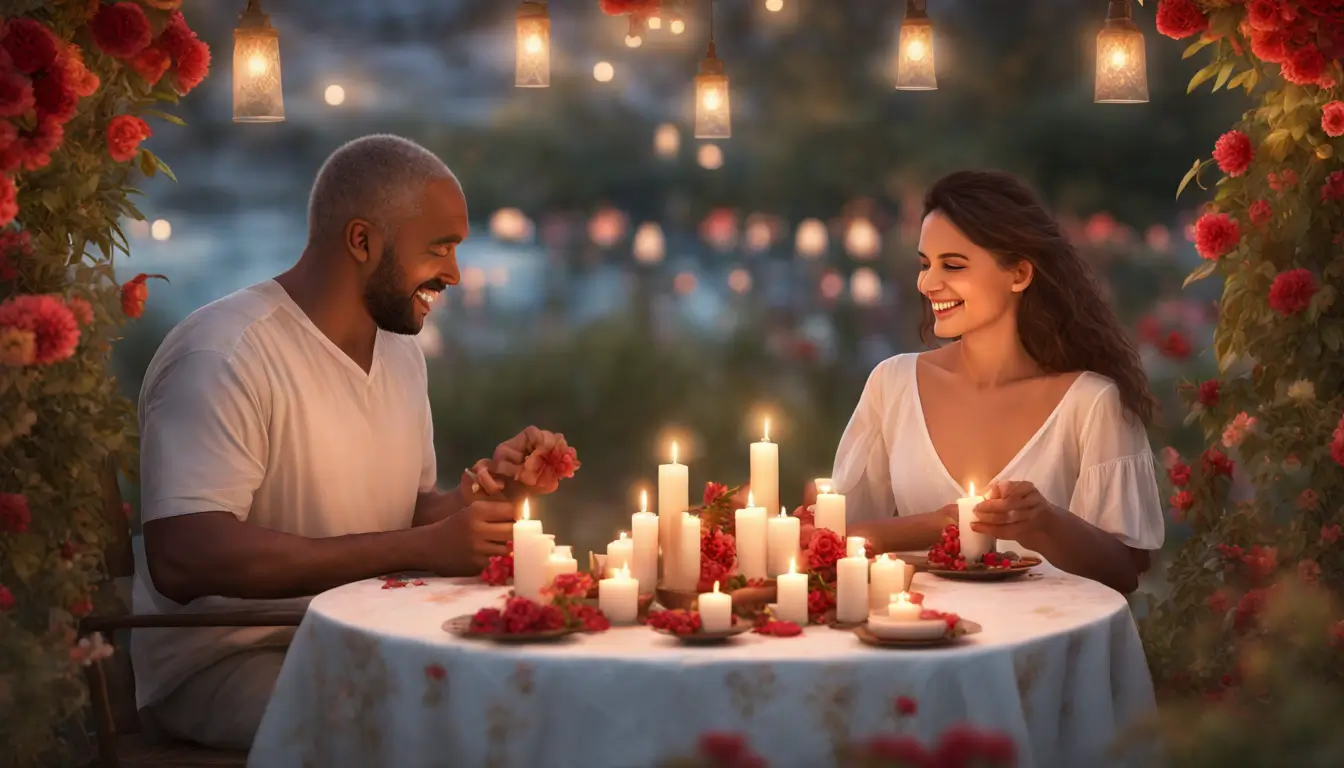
[272,618]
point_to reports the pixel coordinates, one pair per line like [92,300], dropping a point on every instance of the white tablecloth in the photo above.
[373,680]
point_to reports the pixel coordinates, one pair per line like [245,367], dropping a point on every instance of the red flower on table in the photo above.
[819,602]
[718,557]
[1291,291]
[571,585]
[519,615]
[55,332]
[928,614]
[1233,152]
[678,622]
[1180,19]
[121,29]
[906,706]
[589,618]
[14,514]
[435,671]
[31,46]
[776,628]
[499,570]
[124,135]
[487,621]
[824,550]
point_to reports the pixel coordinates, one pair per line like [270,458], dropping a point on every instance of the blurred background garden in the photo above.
[626,283]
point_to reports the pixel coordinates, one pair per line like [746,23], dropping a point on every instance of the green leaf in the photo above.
[174,119]
[162,166]
[1293,97]
[51,199]
[1196,47]
[1202,75]
[1277,143]
[1240,79]
[1223,74]
[1299,130]
[1190,175]
[1203,271]
[147,165]
[89,187]
[1333,337]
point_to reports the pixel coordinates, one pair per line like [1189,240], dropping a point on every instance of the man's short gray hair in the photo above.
[380,178]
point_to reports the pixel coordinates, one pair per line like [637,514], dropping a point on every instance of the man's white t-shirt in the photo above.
[248,408]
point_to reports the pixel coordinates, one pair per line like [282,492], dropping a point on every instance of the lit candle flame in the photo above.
[751,500]
[624,573]
[643,501]
[765,431]
[793,565]
[716,586]
[526,510]
[972,489]
[783,512]
[622,535]
[883,557]
[674,451]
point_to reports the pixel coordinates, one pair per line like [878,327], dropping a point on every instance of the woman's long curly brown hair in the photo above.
[1065,323]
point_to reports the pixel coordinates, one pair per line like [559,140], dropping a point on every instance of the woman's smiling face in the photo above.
[965,285]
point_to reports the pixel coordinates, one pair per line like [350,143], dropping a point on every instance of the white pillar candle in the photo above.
[782,545]
[686,573]
[901,609]
[530,550]
[886,579]
[791,596]
[716,611]
[749,536]
[830,509]
[644,558]
[619,553]
[851,582]
[674,498]
[618,597]
[973,545]
[560,561]
[765,470]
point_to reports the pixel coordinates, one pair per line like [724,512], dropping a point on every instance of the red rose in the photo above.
[1208,393]
[1261,562]
[573,585]
[1216,234]
[9,201]
[1233,153]
[176,38]
[1176,346]
[499,570]
[1332,118]
[818,603]
[487,621]
[30,45]
[1216,463]
[120,29]
[1330,533]
[906,706]
[1260,213]
[54,95]
[1333,187]
[1305,67]
[1292,291]
[134,294]
[124,135]
[151,63]
[824,549]
[1180,19]
[1263,15]
[49,320]
[1179,474]
[1270,45]
[1182,500]
[192,66]
[776,628]
[16,93]
[1249,607]
[14,514]
[6,599]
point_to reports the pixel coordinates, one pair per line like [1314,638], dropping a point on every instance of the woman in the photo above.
[1039,399]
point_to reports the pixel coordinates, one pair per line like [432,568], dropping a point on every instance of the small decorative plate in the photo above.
[963,628]
[461,627]
[1018,569]
[708,638]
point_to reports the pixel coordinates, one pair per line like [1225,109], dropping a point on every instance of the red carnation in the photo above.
[1216,234]
[14,514]
[1260,213]
[1208,393]
[16,93]
[1179,474]
[1333,187]
[1305,67]
[1179,19]
[1233,153]
[192,66]
[1330,533]
[121,29]
[30,45]
[77,74]
[151,63]
[713,492]
[54,95]
[1183,500]
[1263,15]
[81,309]
[1270,46]
[1292,291]
[34,150]
[176,36]
[124,135]
[1332,118]
[1215,462]
[9,201]
[134,294]
[53,326]
[545,469]
[1176,346]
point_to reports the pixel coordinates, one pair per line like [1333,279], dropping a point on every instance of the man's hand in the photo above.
[511,455]
[462,544]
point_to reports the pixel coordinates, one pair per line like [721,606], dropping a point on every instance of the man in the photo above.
[287,446]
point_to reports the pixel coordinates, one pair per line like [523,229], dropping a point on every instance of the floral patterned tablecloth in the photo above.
[373,680]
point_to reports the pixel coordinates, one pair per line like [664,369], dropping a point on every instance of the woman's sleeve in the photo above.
[1117,486]
[862,470]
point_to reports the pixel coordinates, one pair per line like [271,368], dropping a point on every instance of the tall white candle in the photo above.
[830,509]
[644,559]
[618,597]
[973,545]
[765,470]
[782,545]
[530,551]
[886,579]
[791,596]
[749,535]
[851,582]
[716,611]
[686,572]
[560,561]
[674,498]
[619,553]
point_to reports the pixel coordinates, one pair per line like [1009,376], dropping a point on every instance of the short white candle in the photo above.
[644,558]
[687,571]
[851,583]
[750,539]
[674,498]
[560,561]
[618,597]
[765,470]
[782,546]
[791,596]
[886,579]
[619,553]
[830,509]
[901,609]
[973,545]
[716,611]
[530,551]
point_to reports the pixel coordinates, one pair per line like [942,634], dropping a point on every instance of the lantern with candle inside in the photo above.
[830,510]
[1122,64]
[791,594]
[531,549]
[713,109]
[716,611]
[532,68]
[914,56]
[618,597]
[257,94]
[974,545]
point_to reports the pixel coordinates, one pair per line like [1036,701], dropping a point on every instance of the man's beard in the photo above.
[389,304]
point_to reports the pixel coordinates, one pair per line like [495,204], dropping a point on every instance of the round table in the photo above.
[372,679]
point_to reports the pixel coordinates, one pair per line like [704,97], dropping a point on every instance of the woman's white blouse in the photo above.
[1090,457]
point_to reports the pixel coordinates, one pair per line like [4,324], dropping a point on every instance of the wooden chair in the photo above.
[122,738]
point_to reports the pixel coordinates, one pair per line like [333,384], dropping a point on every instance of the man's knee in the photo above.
[222,705]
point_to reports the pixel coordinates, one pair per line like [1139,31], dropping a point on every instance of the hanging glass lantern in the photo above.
[713,111]
[533,64]
[914,56]
[257,93]
[634,36]
[1122,65]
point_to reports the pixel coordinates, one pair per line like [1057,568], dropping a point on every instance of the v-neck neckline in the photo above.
[366,377]
[1027,446]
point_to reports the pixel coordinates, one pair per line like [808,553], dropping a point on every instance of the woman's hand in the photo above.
[1013,510]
